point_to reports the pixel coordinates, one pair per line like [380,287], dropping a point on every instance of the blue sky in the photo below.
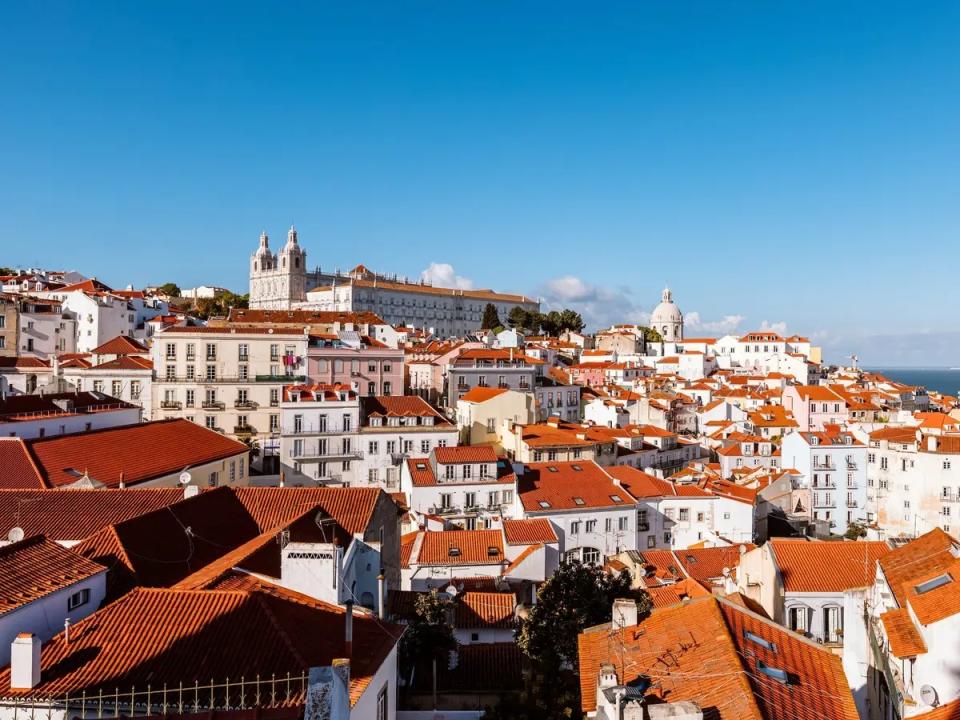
[790,164]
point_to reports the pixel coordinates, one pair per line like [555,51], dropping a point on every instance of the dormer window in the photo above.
[376,422]
[493,551]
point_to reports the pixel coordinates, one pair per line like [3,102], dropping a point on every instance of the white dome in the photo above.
[666,312]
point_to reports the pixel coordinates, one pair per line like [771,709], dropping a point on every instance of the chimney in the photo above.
[382,597]
[348,631]
[190,491]
[608,675]
[25,662]
[624,613]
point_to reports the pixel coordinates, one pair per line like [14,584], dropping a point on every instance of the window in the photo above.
[756,639]
[684,514]
[470,499]
[171,351]
[135,389]
[591,556]
[98,386]
[243,352]
[797,618]
[211,422]
[383,704]
[211,372]
[491,425]
[116,388]
[274,397]
[425,446]
[275,352]
[242,372]
[373,447]
[387,390]
[777,674]
[642,523]
[932,584]
[575,527]
[214,479]
[591,526]
[191,351]
[211,351]
[274,423]
[81,597]
[651,541]
[467,472]
[608,525]
[623,524]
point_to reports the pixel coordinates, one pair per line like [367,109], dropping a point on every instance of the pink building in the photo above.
[814,406]
[356,360]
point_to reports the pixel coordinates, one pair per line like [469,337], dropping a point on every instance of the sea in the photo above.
[941,379]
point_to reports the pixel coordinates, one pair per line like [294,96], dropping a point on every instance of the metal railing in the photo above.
[213,405]
[293,379]
[170,404]
[246,405]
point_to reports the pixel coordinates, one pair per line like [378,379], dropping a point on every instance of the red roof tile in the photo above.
[463,454]
[476,610]
[675,593]
[155,637]
[17,469]
[35,567]
[137,452]
[77,514]
[817,688]
[546,487]
[352,508]
[461,547]
[482,394]
[402,406]
[905,639]
[121,345]
[929,554]
[529,532]
[704,564]
[686,652]
[826,566]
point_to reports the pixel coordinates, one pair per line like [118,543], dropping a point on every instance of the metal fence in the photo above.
[185,698]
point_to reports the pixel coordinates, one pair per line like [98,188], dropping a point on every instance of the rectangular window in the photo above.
[211,351]
[575,527]
[243,352]
[81,597]
[623,524]
[191,351]
[591,526]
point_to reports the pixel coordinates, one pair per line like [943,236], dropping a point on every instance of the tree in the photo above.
[429,635]
[855,531]
[490,317]
[517,318]
[651,334]
[575,597]
[551,323]
[7,271]
[571,320]
[170,289]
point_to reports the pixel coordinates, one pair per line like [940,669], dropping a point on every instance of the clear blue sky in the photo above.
[793,163]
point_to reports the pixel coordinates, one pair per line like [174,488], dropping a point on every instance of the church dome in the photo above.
[666,312]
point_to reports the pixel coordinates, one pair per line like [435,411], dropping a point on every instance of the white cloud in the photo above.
[443,275]
[727,324]
[600,306]
[777,327]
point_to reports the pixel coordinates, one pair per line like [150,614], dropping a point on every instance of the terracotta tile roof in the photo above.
[705,564]
[811,566]
[125,362]
[421,472]
[302,317]
[431,290]
[92,285]
[153,636]
[26,362]
[35,567]
[817,688]
[401,406]
[465,454]
[640,484]
[121,345]
[900,434]
[157,550]
[75,515]
[461,547]
[137,452]
[482,394]
[352,508]
[17,469]
[941,602]
[406,548]
[950,711]
[480,610]
[515,564]
[481,668]
[686,652]
[927,555]
[816,392]
[546,487]
[669,595]
[905,639]
[660,567]
[529,532]
[231,330]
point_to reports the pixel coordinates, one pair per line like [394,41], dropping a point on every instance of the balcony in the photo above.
[824,485]
[291,379]
[851,465]
[170,405]
[851,503]
[246,405]
[824,465]
[315,455]
[949,497]
[212,405]
[440,510]
[244,430]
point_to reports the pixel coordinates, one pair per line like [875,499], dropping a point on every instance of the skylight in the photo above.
[616,498]
[421,466]
[551,468]
[454,552]
[777,674]
[544,504]
[576,468]
[691,559]
[933,584]
[765,644]
[578,501]
[493,550]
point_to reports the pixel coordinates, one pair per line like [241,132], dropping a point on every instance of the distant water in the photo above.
[945,380]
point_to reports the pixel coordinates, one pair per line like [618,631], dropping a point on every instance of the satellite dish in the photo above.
[929,695]
[185,478]
[451,591]
[15,535]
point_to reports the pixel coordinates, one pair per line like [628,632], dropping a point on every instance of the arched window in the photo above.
[798,618]
[296,262]
[254,265]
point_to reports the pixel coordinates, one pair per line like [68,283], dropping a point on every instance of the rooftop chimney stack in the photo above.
[348,631]
[624,613]
[25,662]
